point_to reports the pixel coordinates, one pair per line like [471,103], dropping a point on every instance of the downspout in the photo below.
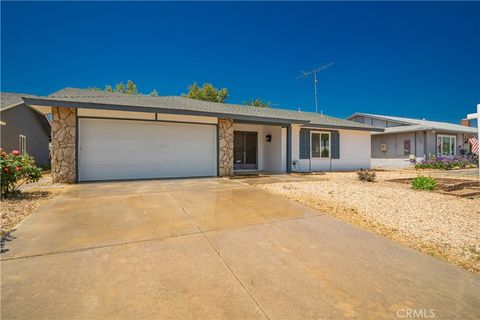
[425,145]
[415,145]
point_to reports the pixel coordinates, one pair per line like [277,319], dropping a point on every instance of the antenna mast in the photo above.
[304,75]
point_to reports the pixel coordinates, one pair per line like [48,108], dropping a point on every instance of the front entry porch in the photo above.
[259,148]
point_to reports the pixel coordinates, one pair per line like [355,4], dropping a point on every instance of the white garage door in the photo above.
[126,149]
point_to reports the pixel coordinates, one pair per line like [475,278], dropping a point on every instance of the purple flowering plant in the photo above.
[448,163]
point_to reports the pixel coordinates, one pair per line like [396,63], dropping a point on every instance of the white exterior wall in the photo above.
[275,151]
[271,156]
[115,114]
[185,118]
[144,116]
[355,149]
[384,163]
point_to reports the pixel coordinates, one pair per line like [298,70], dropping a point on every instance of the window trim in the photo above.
[22,146]
[329,144]
[442,153]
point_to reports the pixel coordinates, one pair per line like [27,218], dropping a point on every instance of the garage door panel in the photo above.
[124,149]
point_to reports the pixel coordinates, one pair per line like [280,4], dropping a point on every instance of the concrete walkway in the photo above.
[211,249]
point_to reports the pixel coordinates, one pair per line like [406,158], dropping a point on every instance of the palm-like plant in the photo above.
[258,102]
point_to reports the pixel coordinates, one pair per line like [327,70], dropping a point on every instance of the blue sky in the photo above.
[403,58]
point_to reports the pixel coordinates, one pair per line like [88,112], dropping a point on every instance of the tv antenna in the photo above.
[305,74]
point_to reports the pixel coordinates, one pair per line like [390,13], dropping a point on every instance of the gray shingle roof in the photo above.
[419,124]
[186,104]
[8,99]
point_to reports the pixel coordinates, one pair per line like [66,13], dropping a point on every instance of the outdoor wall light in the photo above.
[268,137]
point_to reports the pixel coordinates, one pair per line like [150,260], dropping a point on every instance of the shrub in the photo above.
[15,170]
[366,175]
[448,163]
[424,183]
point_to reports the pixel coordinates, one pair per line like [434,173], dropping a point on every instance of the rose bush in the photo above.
[15,170]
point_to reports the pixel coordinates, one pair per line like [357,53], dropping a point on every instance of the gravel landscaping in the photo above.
[445,226]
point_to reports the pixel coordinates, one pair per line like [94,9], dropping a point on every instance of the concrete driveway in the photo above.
[211,249]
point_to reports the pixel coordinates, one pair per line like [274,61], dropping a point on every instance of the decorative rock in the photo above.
[63,145]
[225,128]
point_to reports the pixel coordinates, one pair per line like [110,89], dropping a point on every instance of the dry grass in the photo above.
[444,226]
[15,209]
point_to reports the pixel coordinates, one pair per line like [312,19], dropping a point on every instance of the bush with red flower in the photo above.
[15,170]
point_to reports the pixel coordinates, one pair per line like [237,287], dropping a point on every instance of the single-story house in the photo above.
[24,129]
[110,136]
[407,138]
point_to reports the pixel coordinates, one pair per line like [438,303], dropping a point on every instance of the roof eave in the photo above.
[425,128]
[379,117]
[354,114]
[45,102]
[15,104]
[332,126]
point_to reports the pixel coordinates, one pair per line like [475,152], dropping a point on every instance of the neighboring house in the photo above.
[406,138]
[24,129]
[111,136]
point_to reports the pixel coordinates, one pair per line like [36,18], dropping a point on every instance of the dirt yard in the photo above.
[14,210]
[444,226]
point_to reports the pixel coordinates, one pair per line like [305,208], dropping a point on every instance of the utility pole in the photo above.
[304,75]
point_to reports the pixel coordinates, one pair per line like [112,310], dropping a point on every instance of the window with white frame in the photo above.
[22,144]
[320,145]
[446,145]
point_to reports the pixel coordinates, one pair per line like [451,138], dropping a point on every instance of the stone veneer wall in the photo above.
[63,145]
[225,133]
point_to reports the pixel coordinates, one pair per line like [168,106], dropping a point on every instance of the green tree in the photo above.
[206,93]
[120,87]
[154,93]
[131,87]
[258,103]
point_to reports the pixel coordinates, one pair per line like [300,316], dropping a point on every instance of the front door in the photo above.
[245,149]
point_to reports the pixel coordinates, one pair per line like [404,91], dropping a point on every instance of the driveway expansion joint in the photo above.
[223,260]
[99,247]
